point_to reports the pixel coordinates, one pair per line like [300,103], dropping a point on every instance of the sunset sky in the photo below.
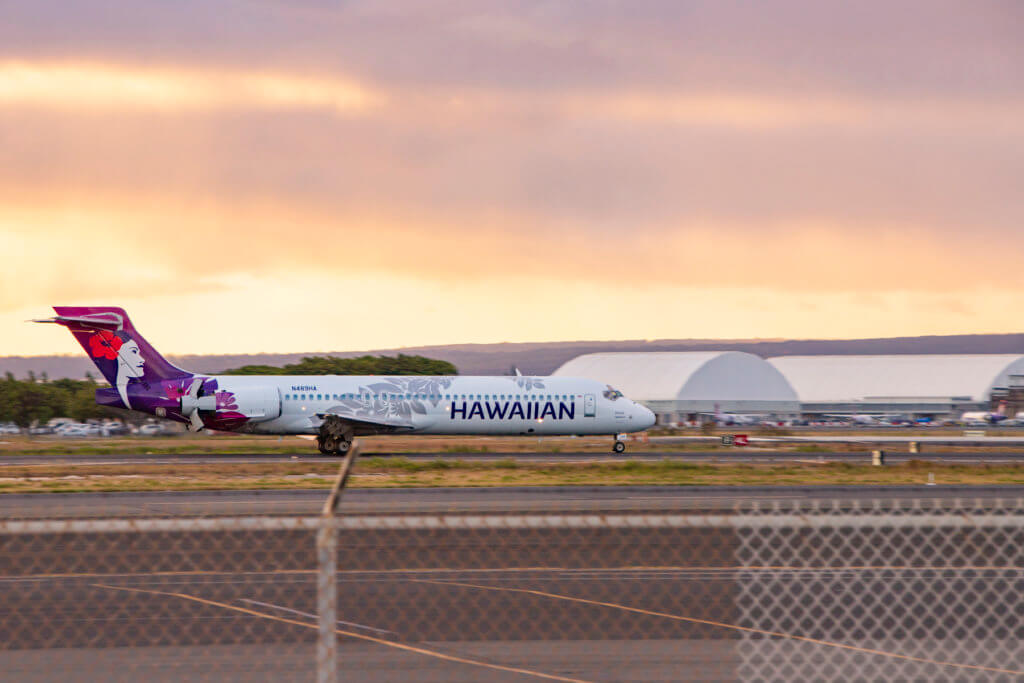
[313,176]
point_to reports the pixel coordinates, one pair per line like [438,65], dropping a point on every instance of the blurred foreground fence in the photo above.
[893,591]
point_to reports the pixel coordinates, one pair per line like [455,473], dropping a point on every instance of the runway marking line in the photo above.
[350,634]
[512,570]
[735,627]
[313,616]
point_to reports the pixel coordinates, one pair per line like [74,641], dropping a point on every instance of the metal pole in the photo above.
[327,602]
[327,578]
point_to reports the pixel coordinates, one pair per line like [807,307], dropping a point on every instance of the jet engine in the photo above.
[258,404]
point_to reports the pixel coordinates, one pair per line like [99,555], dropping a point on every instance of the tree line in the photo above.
[362,365]
[36,400]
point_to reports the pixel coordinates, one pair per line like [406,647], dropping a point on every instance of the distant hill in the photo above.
[544,357]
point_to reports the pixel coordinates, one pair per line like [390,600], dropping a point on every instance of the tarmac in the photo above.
[544,601]
[495,500]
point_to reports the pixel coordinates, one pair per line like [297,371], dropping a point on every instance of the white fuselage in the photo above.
[437,404]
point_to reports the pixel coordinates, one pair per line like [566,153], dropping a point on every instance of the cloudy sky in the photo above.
[304,175]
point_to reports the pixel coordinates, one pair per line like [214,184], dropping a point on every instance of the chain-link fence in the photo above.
[893,591]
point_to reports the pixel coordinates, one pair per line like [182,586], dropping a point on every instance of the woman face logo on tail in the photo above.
[122,349]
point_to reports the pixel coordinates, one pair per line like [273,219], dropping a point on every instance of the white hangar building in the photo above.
[908,384]
[681,386]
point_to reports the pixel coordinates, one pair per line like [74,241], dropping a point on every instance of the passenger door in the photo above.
[589,405]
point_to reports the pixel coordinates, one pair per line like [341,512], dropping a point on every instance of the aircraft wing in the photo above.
[380,424]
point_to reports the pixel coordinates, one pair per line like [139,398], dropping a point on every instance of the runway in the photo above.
[494,500]
[241,606]
[739,455]
[538,602]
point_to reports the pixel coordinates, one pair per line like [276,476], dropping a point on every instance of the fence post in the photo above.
[327,578]
[327,601]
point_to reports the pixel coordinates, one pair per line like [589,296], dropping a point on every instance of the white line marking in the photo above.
[314,617]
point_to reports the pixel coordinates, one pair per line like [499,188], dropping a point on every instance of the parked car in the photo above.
[151,429]
[113,428]
[9,429]
[74,431]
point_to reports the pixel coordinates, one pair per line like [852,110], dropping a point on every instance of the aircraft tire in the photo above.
[343,446]
[619,447]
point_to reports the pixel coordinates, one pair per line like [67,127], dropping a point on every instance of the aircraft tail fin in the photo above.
[114,345]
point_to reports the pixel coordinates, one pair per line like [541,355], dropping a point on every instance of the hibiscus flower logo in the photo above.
[175,389]
[105,344]
[226,401]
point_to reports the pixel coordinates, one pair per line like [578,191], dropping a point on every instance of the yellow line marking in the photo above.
[720,624]
[512,570]
[350,634]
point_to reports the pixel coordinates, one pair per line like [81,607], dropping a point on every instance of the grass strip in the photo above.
[400,472]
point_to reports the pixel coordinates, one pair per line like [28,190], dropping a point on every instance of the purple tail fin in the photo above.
[114,345]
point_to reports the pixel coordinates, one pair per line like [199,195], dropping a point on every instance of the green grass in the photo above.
[375,472]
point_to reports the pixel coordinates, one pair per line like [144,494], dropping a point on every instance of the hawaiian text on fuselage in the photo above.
[495,410]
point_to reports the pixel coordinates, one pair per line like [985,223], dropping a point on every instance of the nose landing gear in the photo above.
[619,447]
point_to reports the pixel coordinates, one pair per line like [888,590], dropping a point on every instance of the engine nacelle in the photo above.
[259,404]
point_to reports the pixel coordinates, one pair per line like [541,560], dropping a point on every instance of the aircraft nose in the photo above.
[645,417]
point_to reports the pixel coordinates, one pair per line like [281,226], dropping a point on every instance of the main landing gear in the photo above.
[331,446]
[335,436]
[619,447]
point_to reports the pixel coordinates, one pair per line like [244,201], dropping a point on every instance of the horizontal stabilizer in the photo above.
[101,321]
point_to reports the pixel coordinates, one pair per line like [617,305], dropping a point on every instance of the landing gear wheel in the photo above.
[327,445]
[619,447]
[335,436]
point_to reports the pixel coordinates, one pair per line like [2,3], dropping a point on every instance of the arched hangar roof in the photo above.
[693,382]
[957,378]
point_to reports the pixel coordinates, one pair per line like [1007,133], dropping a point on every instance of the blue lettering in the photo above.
[461,410]
[548,409]
[476,410]
[566,410]
[496,410]
[517,407]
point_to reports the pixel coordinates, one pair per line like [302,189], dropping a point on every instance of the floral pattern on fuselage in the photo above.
[528,383]
[393,398]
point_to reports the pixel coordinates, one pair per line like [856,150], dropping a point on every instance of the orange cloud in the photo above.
[74,85]
[74,242]
[78,85]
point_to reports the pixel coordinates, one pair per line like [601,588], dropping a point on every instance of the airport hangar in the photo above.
[693,386]
[927,385]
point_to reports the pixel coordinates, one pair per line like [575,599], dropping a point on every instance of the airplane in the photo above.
[981,416]
[337,408]
[737,420]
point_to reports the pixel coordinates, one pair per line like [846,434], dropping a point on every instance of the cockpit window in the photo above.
[611,393]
